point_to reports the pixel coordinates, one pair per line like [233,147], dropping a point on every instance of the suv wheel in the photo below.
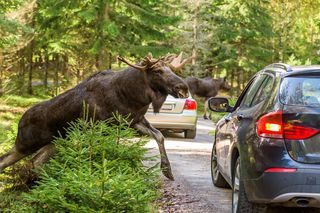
[217,178]
[240,202]
[190,134]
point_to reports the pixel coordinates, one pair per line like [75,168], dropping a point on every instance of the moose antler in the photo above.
[141,68]
[150,61]
[175,62]
[169,58]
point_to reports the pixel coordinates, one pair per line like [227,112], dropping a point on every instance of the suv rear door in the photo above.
[301,117]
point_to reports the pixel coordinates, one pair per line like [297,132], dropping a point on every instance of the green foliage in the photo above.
[243,29]
[11,30]
[232,38]
[99,26]
[61,39]
[98,168]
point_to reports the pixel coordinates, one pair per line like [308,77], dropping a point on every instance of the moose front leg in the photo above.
[145,127]
[206,107]
[43,155]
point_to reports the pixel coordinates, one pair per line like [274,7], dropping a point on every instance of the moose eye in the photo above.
[158,71]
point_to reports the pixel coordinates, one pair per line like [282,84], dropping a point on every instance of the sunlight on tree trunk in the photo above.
[195,31]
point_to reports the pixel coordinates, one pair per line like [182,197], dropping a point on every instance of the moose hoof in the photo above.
[168,175]
[166,171]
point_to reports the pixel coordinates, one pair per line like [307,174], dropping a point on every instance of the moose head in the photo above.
[160,77]
[224,84]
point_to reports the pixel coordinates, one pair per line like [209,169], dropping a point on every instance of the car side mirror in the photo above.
[219,104]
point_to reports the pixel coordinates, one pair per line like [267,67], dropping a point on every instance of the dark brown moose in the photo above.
[206,88]
[128,92]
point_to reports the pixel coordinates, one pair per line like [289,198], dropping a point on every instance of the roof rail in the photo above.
[286,67]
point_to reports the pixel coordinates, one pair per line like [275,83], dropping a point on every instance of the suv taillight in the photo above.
[190,104]
[271,126]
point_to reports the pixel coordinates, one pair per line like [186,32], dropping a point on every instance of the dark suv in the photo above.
[267,148]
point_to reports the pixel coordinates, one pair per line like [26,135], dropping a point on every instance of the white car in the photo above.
[177,115]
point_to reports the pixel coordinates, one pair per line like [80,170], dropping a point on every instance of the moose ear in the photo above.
[150,55]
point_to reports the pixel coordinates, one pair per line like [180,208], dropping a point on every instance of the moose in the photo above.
[128,92]
[206,87]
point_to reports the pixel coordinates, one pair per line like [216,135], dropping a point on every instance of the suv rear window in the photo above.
[300,91]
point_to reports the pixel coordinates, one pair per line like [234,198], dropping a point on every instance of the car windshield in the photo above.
[300,91]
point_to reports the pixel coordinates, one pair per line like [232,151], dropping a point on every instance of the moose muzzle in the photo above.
[181,91]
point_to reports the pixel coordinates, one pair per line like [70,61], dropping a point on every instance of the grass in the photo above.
[22,101]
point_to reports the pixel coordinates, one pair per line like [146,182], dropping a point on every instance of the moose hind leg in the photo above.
[10,158]
[145,127]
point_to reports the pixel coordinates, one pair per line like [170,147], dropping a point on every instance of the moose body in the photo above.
[206,88]
[128,92]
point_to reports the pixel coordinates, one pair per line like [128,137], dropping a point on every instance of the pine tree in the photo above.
[243,28]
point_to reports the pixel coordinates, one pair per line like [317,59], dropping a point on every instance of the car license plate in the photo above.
[167,107]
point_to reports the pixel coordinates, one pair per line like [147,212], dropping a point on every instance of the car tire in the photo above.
[190,134]
[240,202]
[217,178]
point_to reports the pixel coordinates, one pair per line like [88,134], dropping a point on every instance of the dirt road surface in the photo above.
[192,190]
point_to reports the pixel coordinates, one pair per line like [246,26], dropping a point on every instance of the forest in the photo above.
[47,46]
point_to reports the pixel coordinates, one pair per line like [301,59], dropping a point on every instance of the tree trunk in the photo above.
[78,75]
[195,33]
[282,15]
[64,68]
[102,60]
[30,72]
[243,81]
[56,74]
[46,67]
[21,71]
[1,74]
[30,58]
[30,64]
[232,81]
[110,61]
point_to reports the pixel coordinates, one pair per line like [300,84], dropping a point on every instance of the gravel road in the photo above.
[192,190]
